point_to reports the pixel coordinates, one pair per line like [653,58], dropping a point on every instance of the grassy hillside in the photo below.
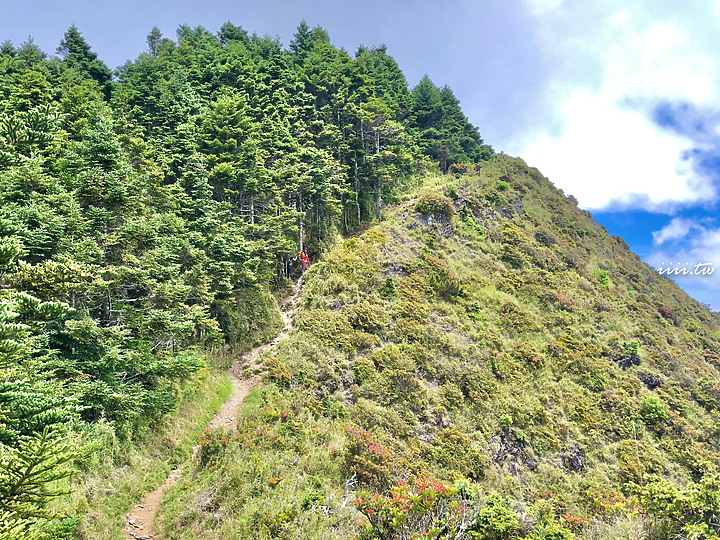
[486,362]
[148,213]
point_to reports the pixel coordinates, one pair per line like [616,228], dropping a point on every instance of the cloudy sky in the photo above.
[615,101]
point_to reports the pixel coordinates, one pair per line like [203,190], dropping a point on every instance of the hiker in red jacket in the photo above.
[304,260]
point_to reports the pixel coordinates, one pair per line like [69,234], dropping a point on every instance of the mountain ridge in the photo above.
[471,350]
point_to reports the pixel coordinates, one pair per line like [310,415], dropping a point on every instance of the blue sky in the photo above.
[617,102]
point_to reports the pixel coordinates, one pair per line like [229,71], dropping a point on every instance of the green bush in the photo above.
[363,370]
[441,278]
[690,512]
[637,457]
[312,498]
[391,357]
[602,276]
[388,289]
[433,203]
[415,288]
[550,531]
[452,395]
[331,327]
[495,521]
[455,450]
[631,348]
[653,410]
[277,371]
[214,443]
[371,318]
[372,416]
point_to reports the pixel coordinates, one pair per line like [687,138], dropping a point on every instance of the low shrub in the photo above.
[277,371]
[214,443]
[455,450]
[363,370]
[653,410]
[369,317]
[602,276]
[433,203]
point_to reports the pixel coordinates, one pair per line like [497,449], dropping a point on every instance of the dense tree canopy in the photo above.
[146,213]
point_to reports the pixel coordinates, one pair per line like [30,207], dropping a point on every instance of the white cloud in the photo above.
[607,150]
[700,246]
[539,7]
[607,154]
[677,229]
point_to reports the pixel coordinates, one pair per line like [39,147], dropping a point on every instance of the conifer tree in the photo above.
[153,40]
[77,54]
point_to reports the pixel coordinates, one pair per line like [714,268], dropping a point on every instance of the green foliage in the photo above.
[388,289]
[441,278]
[372,462]
[27,472]
[213,445]
[424,511]
[637,458]
[690,512]
[328,326]
[277,371]
[455,450]
[369,317]
[501,185]
[445,134]
[363,370]
[495,520]
[602,276]
[433,203]
[631,348]
[653,410]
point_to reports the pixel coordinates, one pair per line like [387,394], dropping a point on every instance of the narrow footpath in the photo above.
[139,523]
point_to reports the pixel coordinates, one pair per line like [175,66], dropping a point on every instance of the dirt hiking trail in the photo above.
[139,522]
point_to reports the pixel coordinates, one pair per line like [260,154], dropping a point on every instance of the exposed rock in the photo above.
[509,211]
[627,361]
[574,459]
[518,205]
[650,380]
[509,451]
[441,221]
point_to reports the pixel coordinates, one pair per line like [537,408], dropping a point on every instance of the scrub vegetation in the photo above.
[486,362]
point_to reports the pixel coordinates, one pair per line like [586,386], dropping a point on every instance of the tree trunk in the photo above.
[300,223]
[357,191]
[378,202]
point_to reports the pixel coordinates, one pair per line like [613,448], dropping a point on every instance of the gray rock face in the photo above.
[439,221]
[627,361]
[574,459]
[649,380]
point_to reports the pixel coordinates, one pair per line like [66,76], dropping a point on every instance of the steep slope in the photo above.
[148,214]
[486,362]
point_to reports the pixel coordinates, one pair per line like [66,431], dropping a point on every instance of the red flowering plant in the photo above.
[419,510]
[376,465]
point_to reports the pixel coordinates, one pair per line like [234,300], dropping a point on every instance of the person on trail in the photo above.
[304,260]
